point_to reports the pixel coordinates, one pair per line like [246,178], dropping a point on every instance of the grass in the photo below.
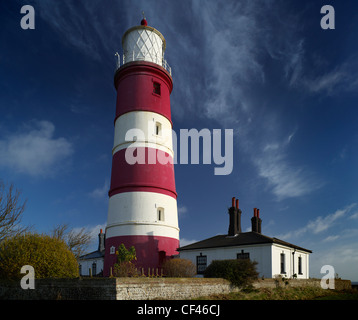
[298,293]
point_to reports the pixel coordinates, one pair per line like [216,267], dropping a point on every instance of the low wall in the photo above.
[61,289]
[136,288]
[115,289]
[272,283]
[170,288]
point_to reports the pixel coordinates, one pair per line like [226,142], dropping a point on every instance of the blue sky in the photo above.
[265,69]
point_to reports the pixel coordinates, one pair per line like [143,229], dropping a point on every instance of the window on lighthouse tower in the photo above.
[156,88]
[160,214]
[158,128]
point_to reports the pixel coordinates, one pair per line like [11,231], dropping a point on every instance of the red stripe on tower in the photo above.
[154,176]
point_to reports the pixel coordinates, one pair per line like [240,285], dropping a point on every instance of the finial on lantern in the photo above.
[144,20]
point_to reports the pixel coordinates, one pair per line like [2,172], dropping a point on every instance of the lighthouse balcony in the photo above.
[142,56]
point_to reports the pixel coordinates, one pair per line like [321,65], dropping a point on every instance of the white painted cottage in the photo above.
[274,256]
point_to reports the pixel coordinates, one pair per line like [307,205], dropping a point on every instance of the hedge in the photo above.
[50,257]
[240,272]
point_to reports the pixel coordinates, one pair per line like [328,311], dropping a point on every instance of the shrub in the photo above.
[50,257]
[124,266]
[125,269]
[179,268]
[240,272]
[280,279]
[124,254]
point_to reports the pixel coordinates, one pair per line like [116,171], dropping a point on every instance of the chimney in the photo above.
[101,241]
[233,219]
[254,222]
[259,221]
[238,219]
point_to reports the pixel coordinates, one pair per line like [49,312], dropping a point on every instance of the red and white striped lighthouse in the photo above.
[142,198]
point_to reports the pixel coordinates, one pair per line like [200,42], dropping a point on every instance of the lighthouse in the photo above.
[142,209]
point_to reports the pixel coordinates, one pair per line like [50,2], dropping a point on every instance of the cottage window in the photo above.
[299,265]
[201,264]
[282,263]
[94,268]
[243,255]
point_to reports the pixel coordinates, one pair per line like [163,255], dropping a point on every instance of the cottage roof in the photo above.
[93,255]
[243,238]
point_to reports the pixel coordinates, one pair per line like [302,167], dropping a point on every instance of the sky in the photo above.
[265,69]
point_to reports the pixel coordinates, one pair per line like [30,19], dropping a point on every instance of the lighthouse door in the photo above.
[162,257]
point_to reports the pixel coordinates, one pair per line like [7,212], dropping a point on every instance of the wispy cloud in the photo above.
[230,50]
[182,210]
[81,25]
[354,216]
[100,193]
[235,53]
[342,256]
[284,179]
[327,82]
[331,238]
[320,224]
[34,150]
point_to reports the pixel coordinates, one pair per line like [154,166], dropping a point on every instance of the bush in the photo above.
[179,268]
[126,255]
[125,269]
[50,257]
[124,266]
[240,272]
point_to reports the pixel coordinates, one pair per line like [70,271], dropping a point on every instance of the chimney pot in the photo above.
[233,202]
[255,212]
[237,203]
[258,213]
